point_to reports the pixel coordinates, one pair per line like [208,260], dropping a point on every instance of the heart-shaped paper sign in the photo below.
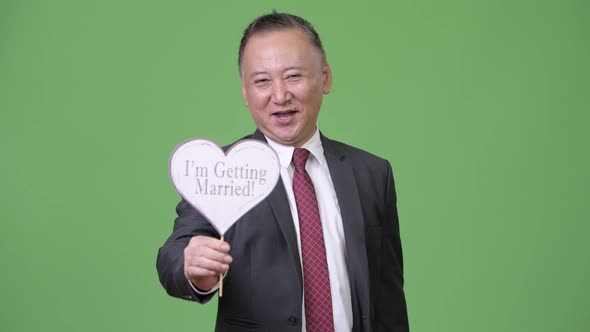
[224,187]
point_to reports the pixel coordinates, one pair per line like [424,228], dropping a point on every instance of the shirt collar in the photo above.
[285,152]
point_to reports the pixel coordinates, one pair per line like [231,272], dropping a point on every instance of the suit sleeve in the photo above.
[391,312]
[170,261]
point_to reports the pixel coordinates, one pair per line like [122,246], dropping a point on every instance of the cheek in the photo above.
[256,100]
[302,94]
[258,116]
[310,96]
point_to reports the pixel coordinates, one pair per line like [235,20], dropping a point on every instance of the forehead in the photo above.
[291,45]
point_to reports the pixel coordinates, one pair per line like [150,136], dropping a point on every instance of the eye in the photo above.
[293,76]
[261,81]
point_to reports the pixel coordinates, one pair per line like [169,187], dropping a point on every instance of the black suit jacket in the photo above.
[263,287]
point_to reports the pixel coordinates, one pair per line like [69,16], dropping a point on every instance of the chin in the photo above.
[284,137]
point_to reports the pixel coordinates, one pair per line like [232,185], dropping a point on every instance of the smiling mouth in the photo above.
[284,114]
[284,117]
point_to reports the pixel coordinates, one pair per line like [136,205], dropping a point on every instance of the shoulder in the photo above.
[356,156]
[251,136]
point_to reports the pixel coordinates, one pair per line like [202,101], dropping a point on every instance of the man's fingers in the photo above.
[206,256]
[211,254]
[206,264]
[209,242]
[203,250]
[194,272]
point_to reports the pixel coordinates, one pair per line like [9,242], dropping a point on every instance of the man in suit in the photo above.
[267,279]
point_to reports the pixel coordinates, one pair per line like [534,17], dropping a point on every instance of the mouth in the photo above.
[284,117]
[284,113]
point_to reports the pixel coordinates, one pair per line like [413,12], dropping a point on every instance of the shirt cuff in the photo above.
[202,292]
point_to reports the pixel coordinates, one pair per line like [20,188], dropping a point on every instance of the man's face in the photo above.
[283,83]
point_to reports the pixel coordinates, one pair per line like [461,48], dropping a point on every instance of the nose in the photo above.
[280,93]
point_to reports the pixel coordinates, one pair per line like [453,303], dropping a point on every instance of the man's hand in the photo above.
[205,258]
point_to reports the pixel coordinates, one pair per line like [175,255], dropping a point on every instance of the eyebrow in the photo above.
[256,73]
[259,72]
[293,67]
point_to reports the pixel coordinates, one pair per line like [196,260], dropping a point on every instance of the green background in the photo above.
[481,106]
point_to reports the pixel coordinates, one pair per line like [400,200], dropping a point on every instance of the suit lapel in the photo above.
[279,203]
[354,232]
[280,206]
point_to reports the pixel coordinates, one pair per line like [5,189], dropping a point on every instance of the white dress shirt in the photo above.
[331,219]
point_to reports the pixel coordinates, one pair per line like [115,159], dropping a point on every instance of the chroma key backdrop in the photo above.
[481,107]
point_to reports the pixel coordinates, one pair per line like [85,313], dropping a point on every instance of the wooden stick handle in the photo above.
[221,280]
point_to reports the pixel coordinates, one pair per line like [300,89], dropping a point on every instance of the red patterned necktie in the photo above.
[316,280]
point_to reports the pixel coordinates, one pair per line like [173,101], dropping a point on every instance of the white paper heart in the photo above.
[224,187]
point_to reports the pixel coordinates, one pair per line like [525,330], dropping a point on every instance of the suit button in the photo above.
[293,320]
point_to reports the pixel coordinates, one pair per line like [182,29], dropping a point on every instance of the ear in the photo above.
[244,93]
[326,79]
